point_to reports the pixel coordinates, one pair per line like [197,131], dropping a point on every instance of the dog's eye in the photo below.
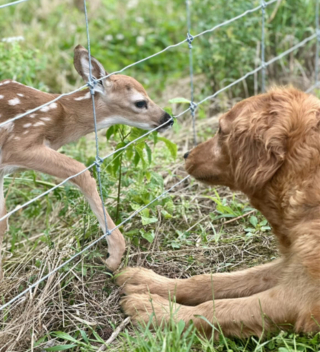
[141,104]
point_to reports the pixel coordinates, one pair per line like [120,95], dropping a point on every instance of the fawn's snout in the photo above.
[166,121]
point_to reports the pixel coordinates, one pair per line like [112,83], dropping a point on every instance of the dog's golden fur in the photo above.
[268,146]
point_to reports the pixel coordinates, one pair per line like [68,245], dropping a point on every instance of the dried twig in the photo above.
[114,334]
[239,217]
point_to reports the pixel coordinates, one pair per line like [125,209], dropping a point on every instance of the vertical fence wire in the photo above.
[263,70]
[316,63]
[193,105]
[91,84]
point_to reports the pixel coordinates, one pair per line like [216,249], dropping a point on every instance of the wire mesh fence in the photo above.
[190,41]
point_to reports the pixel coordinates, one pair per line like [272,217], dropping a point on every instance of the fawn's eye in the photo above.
[141,104]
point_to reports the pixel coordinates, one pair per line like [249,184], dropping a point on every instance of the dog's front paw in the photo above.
[141,280]
[141,307]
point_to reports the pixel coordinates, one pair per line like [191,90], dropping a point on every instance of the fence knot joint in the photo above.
[190,40]
[92,85]
[193,107]
[98,163]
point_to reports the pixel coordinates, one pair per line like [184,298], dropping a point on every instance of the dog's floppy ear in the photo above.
[257,144]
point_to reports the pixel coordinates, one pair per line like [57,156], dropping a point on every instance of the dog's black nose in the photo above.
[167,118]
[186,155]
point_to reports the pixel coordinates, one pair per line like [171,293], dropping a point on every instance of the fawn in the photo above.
[32,141]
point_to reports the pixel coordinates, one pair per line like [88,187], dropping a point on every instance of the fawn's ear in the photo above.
[81,64]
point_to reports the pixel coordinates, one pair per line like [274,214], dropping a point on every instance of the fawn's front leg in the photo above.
[51,162]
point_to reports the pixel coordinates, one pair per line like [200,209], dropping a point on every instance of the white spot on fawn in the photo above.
[20,95]
[25,132]
[86,96]
[14,101]
[33,115]
[17,138]
[45,109]
[39,124]
[49,107]
[1,96]
[53,106]
[26,125]
[45,118]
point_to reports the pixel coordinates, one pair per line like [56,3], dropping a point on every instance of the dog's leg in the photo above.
[3,223]
[279,307]
[202,288]
[53,163]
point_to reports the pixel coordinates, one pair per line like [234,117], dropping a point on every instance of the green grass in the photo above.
[176,337]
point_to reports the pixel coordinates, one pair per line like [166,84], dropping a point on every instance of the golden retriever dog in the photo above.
[268,147]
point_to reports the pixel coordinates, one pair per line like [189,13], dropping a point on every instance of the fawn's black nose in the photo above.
[186,155]
[167,118]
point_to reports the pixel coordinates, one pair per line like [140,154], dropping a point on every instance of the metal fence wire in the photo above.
[190,39]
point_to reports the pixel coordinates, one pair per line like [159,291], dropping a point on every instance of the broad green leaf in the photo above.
[40,341]
[155,137]
[166,214]
[135,206]
[146,220]
[139,149]
[129,152]
[158,179]
[181,326]
[149,153]
[145,212]
[170,145]
[121,145]
[148,175]
[64,335]
[84,336]
[136,133]
[116,163]
[149,236]
[253,221]
[179,100]
[136,158]
[110,132]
